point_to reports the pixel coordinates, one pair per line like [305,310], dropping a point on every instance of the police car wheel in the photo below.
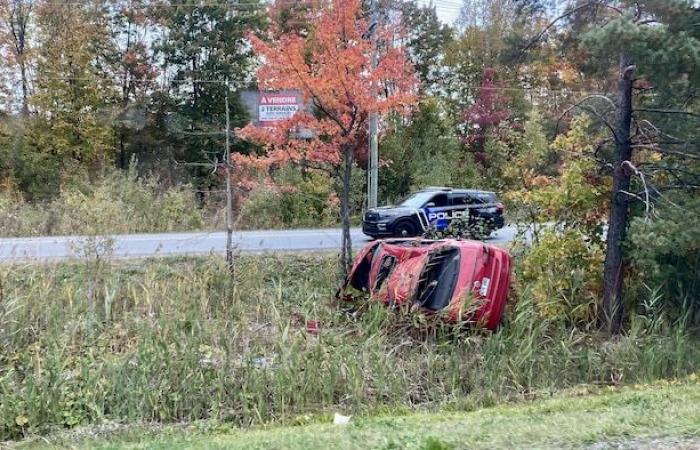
[405,229]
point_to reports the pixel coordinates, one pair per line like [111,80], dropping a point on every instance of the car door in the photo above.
[437,208]
[460,205]
[481,208]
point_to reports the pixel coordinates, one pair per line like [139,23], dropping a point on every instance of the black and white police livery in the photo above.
[430,206]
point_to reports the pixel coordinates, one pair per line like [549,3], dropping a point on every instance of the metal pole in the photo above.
[373,163]
[229,193]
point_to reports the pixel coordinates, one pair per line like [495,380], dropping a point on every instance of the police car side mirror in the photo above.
[430,205]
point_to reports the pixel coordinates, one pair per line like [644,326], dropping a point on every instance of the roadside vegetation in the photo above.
[662,416]
[170,341]
[120,202]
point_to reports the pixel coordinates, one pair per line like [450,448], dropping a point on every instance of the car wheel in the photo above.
[405,229]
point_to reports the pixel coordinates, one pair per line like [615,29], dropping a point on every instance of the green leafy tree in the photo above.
[424,152]
[73,98]
[204,48]
[428,39]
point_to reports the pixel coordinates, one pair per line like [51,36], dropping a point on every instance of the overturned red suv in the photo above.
[462,280]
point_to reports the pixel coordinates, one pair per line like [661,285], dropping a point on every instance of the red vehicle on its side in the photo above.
[466,280]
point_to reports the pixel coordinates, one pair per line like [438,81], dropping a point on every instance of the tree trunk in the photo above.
[613,274]
[122,151]
[346,243]
[25,88]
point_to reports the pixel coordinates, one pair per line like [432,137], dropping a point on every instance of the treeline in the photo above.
[91,84]
[86,85]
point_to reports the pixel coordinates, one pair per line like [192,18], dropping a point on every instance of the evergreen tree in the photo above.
[428,39]
[203,47]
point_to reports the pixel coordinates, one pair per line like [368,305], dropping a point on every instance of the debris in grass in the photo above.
[339,419]
[312,326]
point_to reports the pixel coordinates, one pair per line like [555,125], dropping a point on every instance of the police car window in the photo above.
[440,200]
[416,200]
[460,200]
[485,198]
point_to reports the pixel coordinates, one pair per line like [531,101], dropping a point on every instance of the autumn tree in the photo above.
[332,67]
[71,132]
[133,67]
[488,111]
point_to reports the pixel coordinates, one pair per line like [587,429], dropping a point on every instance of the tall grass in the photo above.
[119,202]
[176,340]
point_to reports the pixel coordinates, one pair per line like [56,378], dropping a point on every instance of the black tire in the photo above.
[405,228]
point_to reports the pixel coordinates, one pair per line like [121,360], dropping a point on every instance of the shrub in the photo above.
[119,202]
[302,199]
[563,274]
[665,255]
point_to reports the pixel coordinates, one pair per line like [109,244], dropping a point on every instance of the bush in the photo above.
[302,199]
[563,274]
[119,202]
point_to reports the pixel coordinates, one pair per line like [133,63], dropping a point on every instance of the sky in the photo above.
[447,10]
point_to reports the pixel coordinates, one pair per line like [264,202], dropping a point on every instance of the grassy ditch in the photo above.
[167,341]
[651,417]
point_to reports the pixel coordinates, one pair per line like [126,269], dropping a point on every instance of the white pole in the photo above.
[373,162]
[229,193]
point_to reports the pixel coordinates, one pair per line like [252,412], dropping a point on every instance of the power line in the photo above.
[474,87]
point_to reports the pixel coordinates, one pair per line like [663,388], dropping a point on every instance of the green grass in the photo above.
[665,413]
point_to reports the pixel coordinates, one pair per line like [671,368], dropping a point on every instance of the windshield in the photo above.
[417,199]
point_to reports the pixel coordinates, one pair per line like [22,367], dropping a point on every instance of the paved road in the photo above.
[196,243]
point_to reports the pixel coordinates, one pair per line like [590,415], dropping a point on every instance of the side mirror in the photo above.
[430,205]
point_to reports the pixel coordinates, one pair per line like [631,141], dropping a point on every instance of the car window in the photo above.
[416,200]
[440,200]
[485,197]
[460,200]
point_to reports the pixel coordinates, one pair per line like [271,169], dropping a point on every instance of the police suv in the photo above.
[433,206]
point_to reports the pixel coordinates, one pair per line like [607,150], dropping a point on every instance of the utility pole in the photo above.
[373,162]
[229,193]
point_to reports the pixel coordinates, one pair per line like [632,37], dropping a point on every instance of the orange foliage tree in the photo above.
[330,62]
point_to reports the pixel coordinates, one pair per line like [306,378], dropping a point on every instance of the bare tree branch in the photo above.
[657,148]
[590,110]
[566,14]
[667,111]
[640,174]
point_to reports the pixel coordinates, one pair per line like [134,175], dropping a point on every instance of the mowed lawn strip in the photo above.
[667,413]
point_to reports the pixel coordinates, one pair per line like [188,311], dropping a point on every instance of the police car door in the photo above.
[438,208]
[459,206]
